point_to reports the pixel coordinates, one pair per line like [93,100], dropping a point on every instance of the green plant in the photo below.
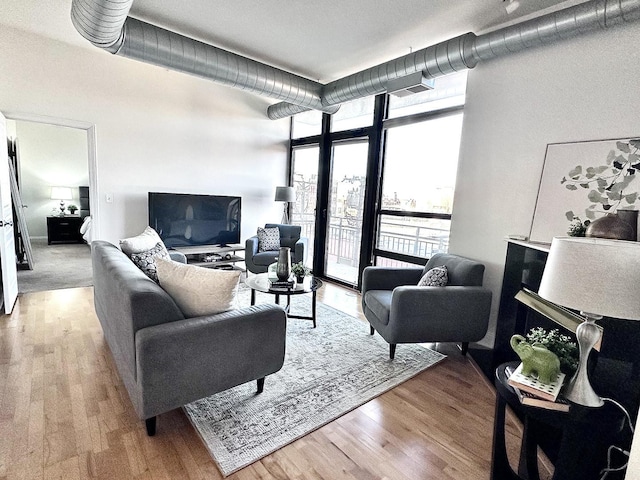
[561,345]
[72,208]
[578,228]
[299,269]
[608,184]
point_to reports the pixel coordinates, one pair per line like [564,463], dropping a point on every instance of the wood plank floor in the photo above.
[64,413]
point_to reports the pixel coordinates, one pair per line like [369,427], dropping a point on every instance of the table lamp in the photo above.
[598,277]
[286,195]
[62,194]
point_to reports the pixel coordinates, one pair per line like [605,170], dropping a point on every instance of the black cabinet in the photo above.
[64,229]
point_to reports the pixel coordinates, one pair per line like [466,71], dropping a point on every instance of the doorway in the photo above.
[54,153]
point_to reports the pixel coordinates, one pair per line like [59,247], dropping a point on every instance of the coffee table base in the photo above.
[287,309]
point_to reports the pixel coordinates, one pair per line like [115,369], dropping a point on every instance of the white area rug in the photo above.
[328,371]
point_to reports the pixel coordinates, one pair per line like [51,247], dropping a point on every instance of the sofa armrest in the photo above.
[183,361]
[453,313]
[250,250]
[386,278]
[300,250]
[177,256]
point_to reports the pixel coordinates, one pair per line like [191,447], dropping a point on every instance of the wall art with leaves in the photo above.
[585,180]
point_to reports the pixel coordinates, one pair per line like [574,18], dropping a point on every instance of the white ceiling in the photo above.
[321,40]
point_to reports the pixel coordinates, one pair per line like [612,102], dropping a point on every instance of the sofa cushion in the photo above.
[268,239]
[379,303]
[436,277]
[146,261]
[199,291]
[147,240]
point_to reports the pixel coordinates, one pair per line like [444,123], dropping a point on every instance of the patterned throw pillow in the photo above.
[436,277]
[146,261]
[268,239]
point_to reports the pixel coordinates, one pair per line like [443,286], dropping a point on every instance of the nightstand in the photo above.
[64,229]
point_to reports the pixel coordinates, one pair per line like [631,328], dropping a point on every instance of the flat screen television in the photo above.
[183,219]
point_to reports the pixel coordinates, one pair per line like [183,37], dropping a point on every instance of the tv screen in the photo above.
[189,220]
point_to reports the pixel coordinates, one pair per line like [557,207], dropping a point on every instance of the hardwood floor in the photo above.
[64,413]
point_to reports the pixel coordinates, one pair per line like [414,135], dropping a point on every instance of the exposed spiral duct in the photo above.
[105,24]
[467,50]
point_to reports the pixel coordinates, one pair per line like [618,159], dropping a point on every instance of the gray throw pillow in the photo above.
[436,277]
[268,239]
[146,261]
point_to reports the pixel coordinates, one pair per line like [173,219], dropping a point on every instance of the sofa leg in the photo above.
[151,426]
[392,350]
[372,330]
[465,348]
[260,385]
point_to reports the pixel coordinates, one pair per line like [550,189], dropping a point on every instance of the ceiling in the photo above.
[322,41]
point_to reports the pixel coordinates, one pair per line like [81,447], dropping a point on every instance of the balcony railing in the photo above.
[343,239]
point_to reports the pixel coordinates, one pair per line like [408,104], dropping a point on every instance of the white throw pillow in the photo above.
[198,291]
[436,277]
[268,239]
[141,243]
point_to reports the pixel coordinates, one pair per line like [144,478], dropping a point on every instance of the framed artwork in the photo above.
[585,180]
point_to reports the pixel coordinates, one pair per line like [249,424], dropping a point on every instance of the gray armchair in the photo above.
[402,312]
[258,262]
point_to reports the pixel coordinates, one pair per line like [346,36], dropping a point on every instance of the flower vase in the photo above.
[283,269]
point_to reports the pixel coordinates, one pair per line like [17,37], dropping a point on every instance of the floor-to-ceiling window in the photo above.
[383,188]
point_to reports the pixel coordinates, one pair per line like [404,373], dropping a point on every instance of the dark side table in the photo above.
[64,229]
[576,441]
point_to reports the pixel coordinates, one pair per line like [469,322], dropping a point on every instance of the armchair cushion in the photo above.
[461,271]
[436,277]
[268,239]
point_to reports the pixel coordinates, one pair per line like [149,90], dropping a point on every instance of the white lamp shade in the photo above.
[285,194]
[61,193]
[594,275]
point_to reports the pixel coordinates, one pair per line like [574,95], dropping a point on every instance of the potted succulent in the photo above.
[300,271]
[561,345]
[72,209]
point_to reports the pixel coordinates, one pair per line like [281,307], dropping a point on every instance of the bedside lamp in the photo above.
[598,277]
[286,195]
[62,194]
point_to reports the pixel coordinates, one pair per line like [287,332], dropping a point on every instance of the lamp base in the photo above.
[579,389]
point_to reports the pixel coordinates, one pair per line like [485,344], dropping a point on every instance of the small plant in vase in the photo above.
[72,209]
[300,271]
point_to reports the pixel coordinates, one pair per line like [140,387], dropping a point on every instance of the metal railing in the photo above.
[343,240]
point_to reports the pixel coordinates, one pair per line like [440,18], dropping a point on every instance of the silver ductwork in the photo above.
[105,24]
[467,50]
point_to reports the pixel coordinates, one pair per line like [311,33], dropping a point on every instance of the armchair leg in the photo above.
[372,330]
[151,426]
[392,350]
[260,385]
[465,348]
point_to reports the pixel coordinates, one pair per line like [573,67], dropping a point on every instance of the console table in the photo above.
[65,229]
[221,257]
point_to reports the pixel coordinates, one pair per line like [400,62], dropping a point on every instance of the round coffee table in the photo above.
[261,283]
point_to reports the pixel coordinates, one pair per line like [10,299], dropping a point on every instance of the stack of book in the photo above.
[281,284]
[532,392]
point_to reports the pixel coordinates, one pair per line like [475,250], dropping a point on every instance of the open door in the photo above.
[7,242]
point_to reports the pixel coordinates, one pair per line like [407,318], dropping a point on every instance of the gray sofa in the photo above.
[166,360]
[403,312]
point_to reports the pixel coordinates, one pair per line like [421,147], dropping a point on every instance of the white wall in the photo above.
[156,129]
[50,155]
[580,89]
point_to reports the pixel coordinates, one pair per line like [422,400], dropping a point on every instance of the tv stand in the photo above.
[213,256]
